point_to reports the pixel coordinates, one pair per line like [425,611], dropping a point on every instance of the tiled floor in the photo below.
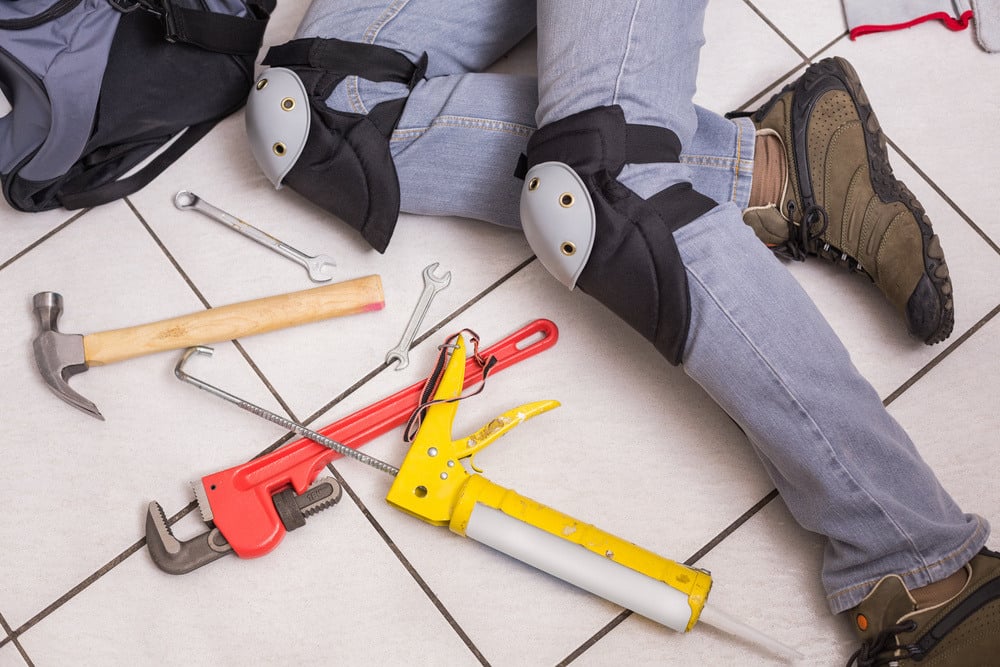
[636,447]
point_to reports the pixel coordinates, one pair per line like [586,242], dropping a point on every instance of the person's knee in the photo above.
[591,231]
[339,161]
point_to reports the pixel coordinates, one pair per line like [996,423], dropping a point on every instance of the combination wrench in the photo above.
[432,285]
[318,266]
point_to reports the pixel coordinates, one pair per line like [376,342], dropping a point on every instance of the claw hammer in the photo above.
[59,355]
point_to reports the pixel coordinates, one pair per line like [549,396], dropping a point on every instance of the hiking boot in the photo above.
[841,201]
[963,631]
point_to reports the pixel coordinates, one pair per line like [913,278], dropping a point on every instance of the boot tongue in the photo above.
[883,607]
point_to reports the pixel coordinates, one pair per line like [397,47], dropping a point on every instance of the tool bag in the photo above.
[105,94]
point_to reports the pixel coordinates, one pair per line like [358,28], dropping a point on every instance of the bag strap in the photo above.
[212,31]
[88,196]
[54,11]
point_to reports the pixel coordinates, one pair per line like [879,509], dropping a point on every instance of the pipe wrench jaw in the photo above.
[175,556]
[434,472]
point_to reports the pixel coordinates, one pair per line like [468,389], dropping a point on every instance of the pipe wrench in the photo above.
[248,508]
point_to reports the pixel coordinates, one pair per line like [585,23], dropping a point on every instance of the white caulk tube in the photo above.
[602,576]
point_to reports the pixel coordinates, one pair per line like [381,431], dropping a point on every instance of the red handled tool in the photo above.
[253,504]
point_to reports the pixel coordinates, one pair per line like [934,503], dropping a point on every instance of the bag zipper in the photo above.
[60,8]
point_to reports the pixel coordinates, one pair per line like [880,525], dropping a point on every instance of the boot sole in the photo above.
[930,313]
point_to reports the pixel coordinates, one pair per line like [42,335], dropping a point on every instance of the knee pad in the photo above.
[340,161]
[592,232]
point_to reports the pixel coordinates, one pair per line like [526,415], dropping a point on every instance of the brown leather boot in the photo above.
[963,631]
[842,202]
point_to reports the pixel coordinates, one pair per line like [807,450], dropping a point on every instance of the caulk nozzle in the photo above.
[734,626]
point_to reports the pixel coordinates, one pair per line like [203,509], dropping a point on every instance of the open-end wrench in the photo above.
[432,285]
[319,266]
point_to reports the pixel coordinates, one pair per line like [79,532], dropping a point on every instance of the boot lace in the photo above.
[802,238]
[882,649]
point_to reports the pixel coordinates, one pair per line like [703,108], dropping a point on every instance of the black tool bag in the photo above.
[105,94]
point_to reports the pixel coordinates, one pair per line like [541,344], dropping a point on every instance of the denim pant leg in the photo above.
[457,143]
[460,136]
[856,480]
[757,344]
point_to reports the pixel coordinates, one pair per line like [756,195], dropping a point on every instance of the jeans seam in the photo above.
[739,158]
[410,134]
[791,395]
[980,528]
[371,33]
[726,163]
[628,49]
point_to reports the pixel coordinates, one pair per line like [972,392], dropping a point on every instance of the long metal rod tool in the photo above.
[276,418]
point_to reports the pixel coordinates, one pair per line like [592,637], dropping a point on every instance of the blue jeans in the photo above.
[757,344]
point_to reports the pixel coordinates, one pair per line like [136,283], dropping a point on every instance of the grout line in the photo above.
[951,202]
[45,237]
[806,62]
[12,638]
[397,552]
[829,45]
[773,27]
[80,587]
[732,528]
[170,257]
[205,303]
[598,636]
[263,378]
[939,358]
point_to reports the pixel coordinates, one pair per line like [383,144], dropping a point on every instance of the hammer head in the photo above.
[59,356]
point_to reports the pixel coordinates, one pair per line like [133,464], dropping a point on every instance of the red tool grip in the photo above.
[240,497]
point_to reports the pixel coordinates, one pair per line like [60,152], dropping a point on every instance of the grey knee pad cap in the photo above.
[557,216]
[277,122]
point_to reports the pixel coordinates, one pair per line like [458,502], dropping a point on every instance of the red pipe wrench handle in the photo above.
[240,497]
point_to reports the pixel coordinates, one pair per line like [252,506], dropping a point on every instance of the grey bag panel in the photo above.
[23,132]
[26,10]
[68,57]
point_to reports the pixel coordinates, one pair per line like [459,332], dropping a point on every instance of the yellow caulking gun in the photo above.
[439,484]
[433,484]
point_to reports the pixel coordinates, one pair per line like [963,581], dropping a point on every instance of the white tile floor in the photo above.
[636,448]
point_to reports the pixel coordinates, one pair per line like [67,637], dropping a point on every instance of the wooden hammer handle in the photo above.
[235,320]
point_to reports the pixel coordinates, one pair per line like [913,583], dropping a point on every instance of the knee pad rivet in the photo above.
[568,248]
[566,200]
[533,184]
[261,84]
[288,104]
[279,149]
